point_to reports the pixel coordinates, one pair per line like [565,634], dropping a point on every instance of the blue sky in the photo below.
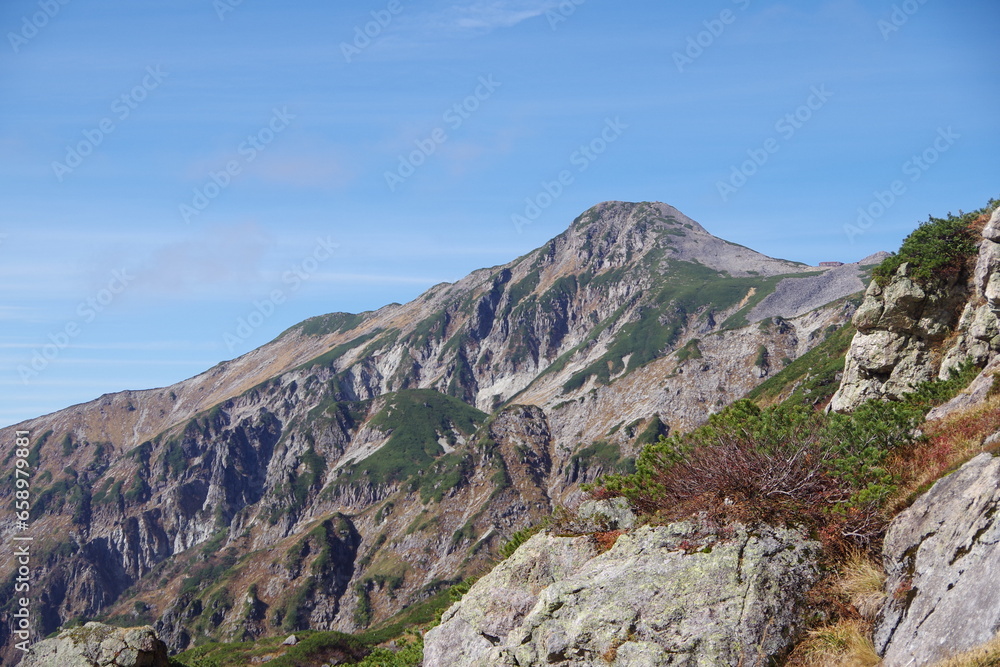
[171,168]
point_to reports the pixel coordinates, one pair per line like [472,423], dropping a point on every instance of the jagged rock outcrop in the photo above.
[99,645]
[660,596]
[908,334]
[900,326]
[942,556]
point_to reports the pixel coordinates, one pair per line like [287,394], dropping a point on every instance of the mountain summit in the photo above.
[362,462]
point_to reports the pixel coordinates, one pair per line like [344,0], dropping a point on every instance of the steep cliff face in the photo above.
[360,463]
[909,333]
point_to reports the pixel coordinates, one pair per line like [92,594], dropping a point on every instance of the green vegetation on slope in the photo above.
[602,454]
[684,290]
[314,648]
[812,378]
[937,249]
[328,324]
[337,352]
[416,419]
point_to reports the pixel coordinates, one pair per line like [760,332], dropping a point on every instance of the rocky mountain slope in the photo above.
[361,463]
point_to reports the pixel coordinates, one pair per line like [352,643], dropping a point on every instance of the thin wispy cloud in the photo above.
[485,16]
[225,257]
[305,171]
[371,278]
[19,314]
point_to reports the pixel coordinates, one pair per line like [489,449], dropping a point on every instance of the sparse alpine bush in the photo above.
[765,464]
[788,463]
[937,249]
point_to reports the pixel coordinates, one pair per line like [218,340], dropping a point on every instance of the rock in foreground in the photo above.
[659,596]
[99,645]
[942,556]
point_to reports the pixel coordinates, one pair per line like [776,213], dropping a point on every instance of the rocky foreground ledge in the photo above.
[660,596]
[99,645]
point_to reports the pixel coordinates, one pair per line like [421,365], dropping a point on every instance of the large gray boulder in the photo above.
[99,645]
[660,596]
[942,556]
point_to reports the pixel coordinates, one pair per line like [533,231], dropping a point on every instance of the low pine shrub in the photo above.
[936,250]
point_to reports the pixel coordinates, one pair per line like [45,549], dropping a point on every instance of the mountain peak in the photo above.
[626,214]
[614,233]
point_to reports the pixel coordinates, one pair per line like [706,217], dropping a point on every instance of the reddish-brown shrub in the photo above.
[605,540]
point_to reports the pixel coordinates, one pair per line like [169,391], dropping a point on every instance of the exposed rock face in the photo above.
[659,596]
[99,645]
[361,462]
[899,327]
[907,335]
[942,556]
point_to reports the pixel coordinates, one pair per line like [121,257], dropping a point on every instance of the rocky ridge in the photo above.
[99,645]
[361,463]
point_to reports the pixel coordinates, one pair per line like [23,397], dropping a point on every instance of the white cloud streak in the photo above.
[488,15]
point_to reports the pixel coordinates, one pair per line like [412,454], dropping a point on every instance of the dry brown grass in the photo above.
[843,644]
[852,597]
[987,655]
[950,443]
[862,582]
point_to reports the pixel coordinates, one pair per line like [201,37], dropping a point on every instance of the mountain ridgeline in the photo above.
[361,464]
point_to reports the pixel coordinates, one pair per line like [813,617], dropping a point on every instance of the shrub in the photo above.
[936,250]
[860,443]
[408,654]
[786,463]
[767,460]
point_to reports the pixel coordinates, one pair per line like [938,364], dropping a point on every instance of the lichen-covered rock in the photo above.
[498,602]
[942,556]
[659,596]
[99,645]
[608,514]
